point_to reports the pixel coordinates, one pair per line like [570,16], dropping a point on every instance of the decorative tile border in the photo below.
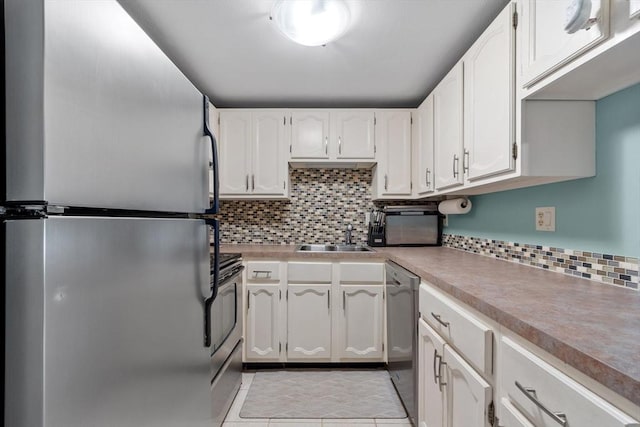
[611,269]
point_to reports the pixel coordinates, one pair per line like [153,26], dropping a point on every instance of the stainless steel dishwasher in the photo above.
[402,319]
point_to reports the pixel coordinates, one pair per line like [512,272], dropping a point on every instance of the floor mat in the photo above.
[322,394]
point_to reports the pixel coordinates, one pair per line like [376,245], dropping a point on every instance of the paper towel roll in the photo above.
[455,206]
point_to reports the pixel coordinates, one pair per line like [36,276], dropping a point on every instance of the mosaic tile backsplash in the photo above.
[612,269]
[322,203]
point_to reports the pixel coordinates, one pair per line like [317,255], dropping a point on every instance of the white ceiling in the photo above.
[393,55]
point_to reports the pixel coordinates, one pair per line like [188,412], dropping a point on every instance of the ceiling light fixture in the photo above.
[311,22]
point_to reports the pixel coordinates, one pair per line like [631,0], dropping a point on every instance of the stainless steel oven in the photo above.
[226,337]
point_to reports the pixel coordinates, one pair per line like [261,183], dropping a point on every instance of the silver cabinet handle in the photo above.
[385,182]
[253,182]
[559,417]
[465,162]
[257,273]
[326,145]
[248,300]
[428,175]
[435,359]
[455,165]
[329,300]
[437,317]
[339,145]
[344,303]
[440,382]
[246,182]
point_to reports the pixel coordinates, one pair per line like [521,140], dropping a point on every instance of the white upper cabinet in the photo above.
[489,86]
[268,156]
[422,141]
[546,44]
[352,134]
[332,136]
[392,175]
[234,148]
[309,134]
[448,129]
[253,158]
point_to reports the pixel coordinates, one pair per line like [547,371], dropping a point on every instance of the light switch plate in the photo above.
[546,219]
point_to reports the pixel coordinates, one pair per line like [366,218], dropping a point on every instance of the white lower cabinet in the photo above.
[467,395]
[548,397]
[361,322]
[430,397]
[314,312]
[510,416]
[308,322]
[451,392]
[263,322]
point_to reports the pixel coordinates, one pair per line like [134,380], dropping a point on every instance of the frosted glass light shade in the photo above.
[311,22]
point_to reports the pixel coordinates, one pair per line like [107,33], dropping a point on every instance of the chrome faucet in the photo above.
[347,235]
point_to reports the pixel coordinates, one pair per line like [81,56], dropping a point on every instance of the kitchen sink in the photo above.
[332,248]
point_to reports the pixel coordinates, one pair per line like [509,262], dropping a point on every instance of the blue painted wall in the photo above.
[599,214]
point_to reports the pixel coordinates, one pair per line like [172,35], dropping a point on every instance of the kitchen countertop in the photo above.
[591,326]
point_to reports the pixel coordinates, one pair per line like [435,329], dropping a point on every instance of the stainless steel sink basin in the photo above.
[316,248]
[332,248]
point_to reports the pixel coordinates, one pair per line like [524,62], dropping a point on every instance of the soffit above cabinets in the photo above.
[395,52]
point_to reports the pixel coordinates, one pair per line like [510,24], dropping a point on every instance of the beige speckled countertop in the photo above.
[591,326]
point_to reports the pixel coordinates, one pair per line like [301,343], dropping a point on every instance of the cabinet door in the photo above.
[352,132]
[489,81]
[310,134]
[269,156]
[234,151]
[262,336]
[394,135]
[510,416]
[447,129]
[309,322]
[430,397]
[546,45]
[466,395]
[361,322]
[422,129]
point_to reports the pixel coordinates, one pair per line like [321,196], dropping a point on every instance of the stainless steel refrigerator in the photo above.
[107,267]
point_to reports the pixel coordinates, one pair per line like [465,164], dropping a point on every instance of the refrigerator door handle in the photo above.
[215,204]
[216,281]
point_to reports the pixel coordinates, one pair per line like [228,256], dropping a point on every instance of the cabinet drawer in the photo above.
[472,338]
[309,272]
[263,271]
[553,390]
[360,272]
[510,416]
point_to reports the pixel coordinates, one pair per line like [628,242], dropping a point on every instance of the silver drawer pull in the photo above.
[267,273]
[437,317]
[559,417]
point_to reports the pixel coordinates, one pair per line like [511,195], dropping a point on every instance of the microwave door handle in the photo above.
[214,207]
[216,281]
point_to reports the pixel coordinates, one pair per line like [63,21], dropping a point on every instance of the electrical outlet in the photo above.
[546,219]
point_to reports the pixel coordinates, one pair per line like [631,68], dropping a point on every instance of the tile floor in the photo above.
[233,417]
